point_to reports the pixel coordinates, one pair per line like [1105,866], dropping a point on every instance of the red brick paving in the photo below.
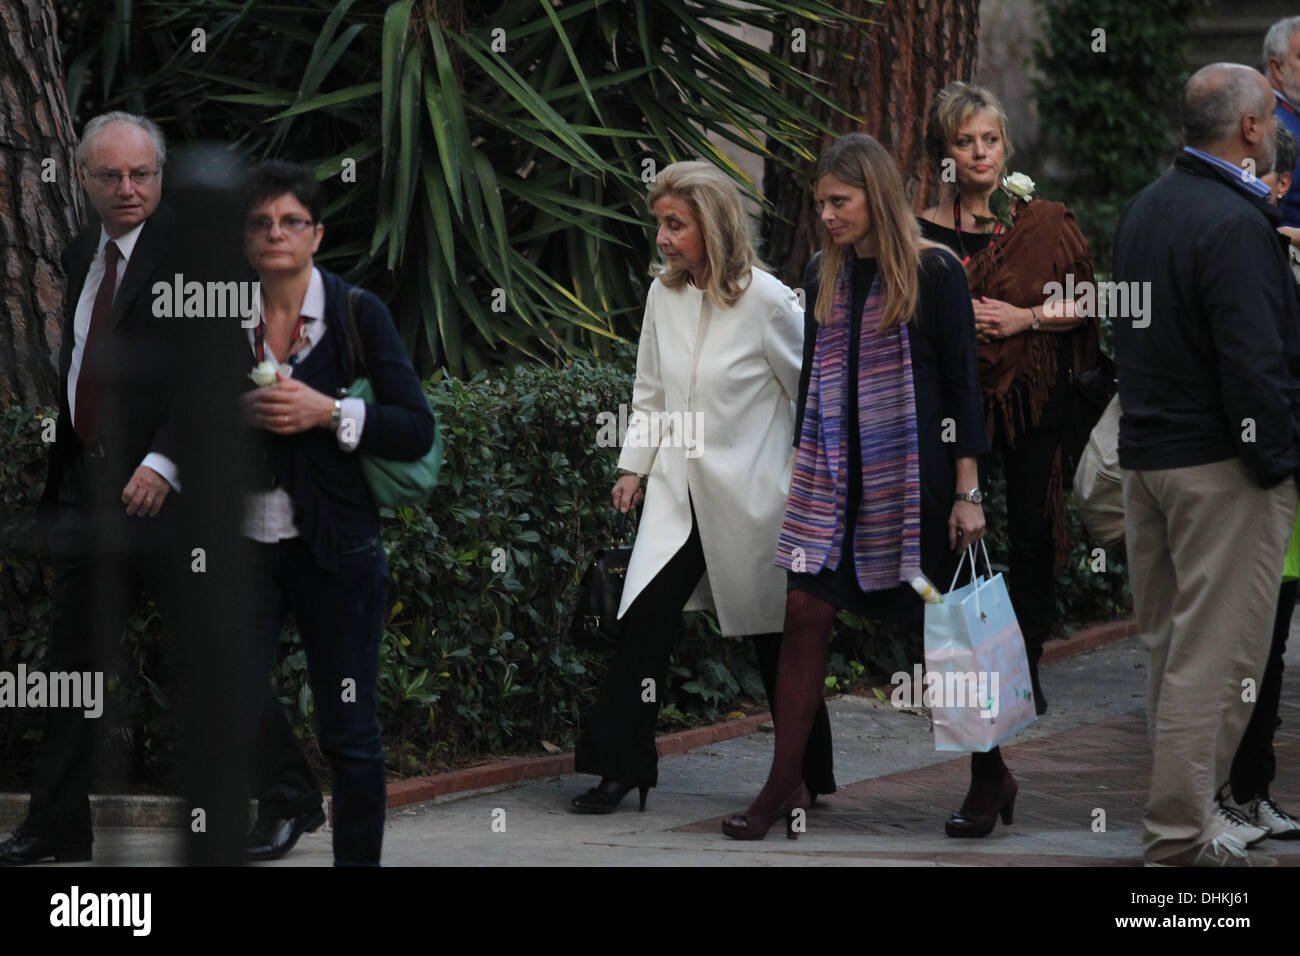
[417,789]
[1062,778]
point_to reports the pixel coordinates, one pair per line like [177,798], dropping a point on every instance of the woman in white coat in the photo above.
[709,445]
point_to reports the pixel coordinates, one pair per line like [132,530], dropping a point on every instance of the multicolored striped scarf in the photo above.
[887,536]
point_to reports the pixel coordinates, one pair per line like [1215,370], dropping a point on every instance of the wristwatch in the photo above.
[336,415]
[974,497]
[1034,325]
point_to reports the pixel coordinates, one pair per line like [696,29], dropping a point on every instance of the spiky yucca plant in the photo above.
[488,161]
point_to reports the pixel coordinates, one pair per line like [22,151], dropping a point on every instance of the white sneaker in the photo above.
[1238,825]
[1223,850]
[1279,824]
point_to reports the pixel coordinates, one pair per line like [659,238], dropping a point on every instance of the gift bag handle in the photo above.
[970,550]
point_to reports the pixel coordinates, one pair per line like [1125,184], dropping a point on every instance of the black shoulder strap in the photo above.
[356,351]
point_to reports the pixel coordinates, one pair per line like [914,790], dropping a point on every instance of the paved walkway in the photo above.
[1088,754]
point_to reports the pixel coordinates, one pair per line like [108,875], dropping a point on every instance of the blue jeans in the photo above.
[340,617]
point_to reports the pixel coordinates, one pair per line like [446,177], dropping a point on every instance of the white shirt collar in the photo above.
[313,304]
[125,243]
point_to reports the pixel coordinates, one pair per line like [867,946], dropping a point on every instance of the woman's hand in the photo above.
[288,407]
[627,493]
[1292,233]
[965,524]
[996,320]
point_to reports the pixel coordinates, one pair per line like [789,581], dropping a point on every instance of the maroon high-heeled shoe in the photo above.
[973,820]
[750,826]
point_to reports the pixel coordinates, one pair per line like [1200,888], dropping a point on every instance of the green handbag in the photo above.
[393,484]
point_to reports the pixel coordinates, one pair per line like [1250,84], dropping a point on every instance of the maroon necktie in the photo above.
[84,418]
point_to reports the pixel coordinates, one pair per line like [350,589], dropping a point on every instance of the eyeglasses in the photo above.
[109,177]
[292,224]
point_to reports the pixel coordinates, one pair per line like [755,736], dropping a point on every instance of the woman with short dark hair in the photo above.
[313,524]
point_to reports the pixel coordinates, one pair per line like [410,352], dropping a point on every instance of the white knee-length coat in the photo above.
[713,411]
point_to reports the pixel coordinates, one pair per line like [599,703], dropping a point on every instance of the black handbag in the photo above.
[595,625]
[1090,392]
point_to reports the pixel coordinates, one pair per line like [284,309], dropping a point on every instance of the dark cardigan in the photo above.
[1220,344]
[332,506]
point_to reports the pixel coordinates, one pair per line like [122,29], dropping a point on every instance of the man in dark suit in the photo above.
[113,466]
[143,399]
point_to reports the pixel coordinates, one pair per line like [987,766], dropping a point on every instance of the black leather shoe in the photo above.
[979,811]
[273,837]
[24,848]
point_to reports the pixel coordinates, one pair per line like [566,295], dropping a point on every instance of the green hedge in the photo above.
[475,660]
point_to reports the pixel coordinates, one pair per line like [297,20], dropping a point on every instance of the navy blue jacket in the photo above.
[1216,373]
[332,506]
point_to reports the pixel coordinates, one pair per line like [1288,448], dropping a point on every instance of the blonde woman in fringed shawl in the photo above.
[1030,342]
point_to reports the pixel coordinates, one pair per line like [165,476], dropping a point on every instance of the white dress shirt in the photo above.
[81,328]
[268,515]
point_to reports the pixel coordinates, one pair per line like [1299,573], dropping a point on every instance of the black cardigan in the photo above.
[945,380]
[332,506]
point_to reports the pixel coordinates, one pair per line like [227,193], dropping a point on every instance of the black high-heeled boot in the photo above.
[606,797]
[992,793]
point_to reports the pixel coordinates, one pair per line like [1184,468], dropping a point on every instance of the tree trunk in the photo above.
[40,204]
[886,73]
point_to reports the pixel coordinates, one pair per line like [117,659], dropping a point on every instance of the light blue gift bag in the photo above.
[977,682]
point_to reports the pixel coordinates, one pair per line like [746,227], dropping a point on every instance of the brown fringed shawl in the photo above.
[1017,375]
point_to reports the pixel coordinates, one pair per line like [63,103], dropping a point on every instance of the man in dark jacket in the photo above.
[147,406]
[113,474]
[1208,444]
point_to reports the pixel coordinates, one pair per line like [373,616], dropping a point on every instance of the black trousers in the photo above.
[1027,467]
[102,567]
[340,617]
[1254,766]
[618,738]
[104,562]
[283,781]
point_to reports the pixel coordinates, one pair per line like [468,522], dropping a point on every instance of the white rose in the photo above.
[265,372]
[1019,185]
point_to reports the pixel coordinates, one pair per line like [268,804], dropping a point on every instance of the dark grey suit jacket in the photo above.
[137,375]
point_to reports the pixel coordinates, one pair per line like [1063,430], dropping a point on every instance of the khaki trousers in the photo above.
[1205,549]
